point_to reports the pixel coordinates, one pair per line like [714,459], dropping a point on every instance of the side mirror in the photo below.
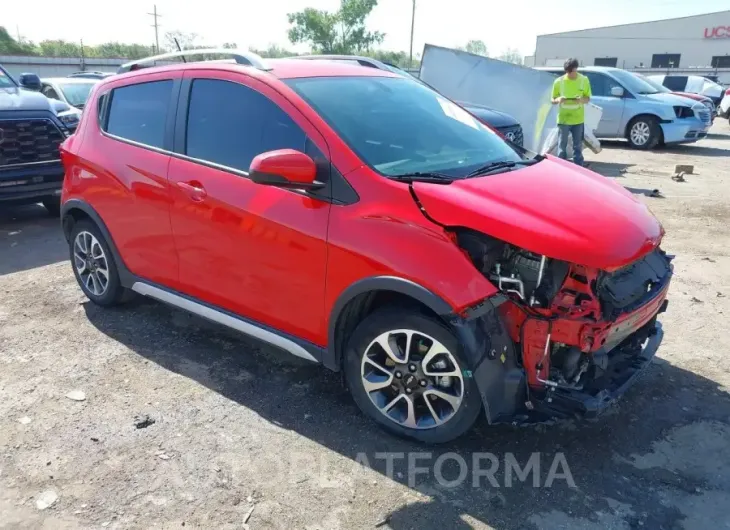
[617,91]
[284,168]
[30,81]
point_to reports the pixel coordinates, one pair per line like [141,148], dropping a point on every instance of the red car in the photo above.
[357,219]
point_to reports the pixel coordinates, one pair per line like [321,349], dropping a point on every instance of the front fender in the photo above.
[492,358]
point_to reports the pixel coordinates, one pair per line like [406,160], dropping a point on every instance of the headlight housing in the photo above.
[681,111]
[70,119]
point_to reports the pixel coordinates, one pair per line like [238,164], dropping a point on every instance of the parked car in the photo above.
[358,219]
[91,75]
[695,84]
[31,130]
[509,127]
[706,101]
[724,109]
[635,110]
[70,90]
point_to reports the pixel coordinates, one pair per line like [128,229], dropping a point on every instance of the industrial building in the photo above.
[700,42]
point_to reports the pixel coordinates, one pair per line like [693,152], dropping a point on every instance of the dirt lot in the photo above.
[237,426]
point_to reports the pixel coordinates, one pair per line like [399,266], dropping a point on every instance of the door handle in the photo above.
[193,189]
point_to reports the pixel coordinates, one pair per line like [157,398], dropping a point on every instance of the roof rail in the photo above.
[241,57]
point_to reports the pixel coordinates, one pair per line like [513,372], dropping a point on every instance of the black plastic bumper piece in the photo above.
[625,365]
[492,359]
[31,183]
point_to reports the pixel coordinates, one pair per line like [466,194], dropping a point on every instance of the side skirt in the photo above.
[296,347]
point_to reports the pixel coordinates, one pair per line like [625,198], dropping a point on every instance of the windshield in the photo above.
[399,126]
[76,93]
[634,83]
[5,80]
[657,86]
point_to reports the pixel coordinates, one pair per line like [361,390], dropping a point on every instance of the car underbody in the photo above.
[577,336]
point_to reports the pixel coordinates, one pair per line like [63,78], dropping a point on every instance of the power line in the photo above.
[413,22]
[156,26]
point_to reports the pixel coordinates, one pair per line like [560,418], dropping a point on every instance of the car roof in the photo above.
[279,68]
[69,80]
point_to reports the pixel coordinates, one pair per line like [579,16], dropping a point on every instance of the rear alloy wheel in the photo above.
[644,133]
[94,265]
[405,371]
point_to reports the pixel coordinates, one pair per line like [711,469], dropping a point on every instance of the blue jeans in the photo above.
[576,131]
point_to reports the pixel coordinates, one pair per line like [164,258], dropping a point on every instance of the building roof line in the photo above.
[634,23]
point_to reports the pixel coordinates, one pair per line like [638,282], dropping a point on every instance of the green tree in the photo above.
[273,52]
[511,55]
[10,46]
[476,47]
[60,48]
[341,32]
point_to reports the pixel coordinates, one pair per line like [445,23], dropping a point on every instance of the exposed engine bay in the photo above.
[575,327]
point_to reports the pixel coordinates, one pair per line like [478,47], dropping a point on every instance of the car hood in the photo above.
[666,97]
[20,99]
[690,95]
[493,117]
[553,208]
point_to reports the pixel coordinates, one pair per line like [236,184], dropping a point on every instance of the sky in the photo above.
[253,23]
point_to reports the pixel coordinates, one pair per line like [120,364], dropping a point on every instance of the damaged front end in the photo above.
[580,334]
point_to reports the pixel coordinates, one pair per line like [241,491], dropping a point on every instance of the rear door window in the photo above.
[229,124]
[139,112]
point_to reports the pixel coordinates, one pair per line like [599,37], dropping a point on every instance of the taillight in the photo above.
[727,92]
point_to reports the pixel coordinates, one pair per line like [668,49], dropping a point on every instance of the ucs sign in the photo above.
[718,32]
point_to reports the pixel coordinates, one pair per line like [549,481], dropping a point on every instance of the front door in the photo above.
[257,251]
[613,107]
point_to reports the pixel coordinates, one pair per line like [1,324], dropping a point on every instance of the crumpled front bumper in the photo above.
[626,362]
[684,131]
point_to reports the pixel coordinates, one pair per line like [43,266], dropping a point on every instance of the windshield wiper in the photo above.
[423,176]
[497,166]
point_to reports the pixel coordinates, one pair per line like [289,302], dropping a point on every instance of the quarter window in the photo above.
[49,92]
[139,112]
[229,124]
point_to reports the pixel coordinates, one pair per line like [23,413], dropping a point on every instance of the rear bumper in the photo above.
[31,183]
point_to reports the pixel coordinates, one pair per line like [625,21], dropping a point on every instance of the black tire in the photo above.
[647,123]
[389,319]
[114,292]
[53,205]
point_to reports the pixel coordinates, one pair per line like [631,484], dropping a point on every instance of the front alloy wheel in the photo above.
[412,379]
[644,133]
[408,373]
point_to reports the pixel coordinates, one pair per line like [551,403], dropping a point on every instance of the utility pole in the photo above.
[156,26]
[83,59]
[413,22]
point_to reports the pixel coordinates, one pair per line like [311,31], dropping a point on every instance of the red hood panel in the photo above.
[554,208]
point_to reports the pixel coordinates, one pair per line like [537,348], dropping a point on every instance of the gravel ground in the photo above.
[239,427]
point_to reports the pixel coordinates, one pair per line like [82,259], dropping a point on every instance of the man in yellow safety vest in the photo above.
[571,92]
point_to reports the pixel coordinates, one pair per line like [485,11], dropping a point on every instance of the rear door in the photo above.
[124,170]
[613,107]
[257,251]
